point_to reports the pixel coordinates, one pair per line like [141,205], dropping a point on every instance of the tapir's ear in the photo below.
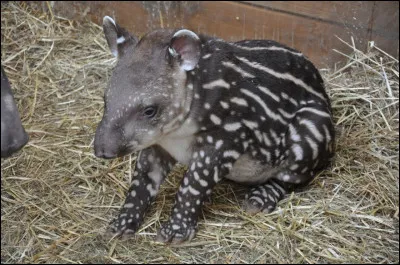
[185,47]
[117,38]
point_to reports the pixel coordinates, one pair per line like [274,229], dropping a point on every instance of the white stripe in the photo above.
[285,114]
[313,146]
[258,135]
[206,56]
[311,127]
[231,153]
[266,153]
[239,101]
[285,76]
[276,185]
[298,152]
[232,126]
[315,111]
[272,48]
[257,199]
[237,69]
[216,177]
[277,195]
[285,96]
[327,135]
[250,124]
[263,105]
[267,141]
[216,83]
[215,119]
[293,133]
[269,93]
[275,136]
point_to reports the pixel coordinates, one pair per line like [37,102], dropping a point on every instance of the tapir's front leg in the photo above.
[152,165]
[210,162]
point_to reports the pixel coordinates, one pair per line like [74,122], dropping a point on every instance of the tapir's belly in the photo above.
[248,170]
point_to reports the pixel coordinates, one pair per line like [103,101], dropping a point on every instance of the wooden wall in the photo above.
[307,26]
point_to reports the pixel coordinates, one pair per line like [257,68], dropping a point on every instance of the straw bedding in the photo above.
[57,197]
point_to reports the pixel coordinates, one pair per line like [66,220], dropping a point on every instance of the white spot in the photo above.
[231,153]
[133,193]
[208,55]
[152,191]
[207,160]
[209,139]
[286,178]
[128,205]
[224,104]
[215,119]
[205,172]
[203,183]
[218,144]
[135,182]
[193,191]
[207,106]
[232,126]
[202,153]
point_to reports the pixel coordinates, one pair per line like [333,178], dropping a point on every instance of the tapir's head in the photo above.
[148,89]
[13,135]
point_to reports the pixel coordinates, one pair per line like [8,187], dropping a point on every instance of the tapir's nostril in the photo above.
[99,152]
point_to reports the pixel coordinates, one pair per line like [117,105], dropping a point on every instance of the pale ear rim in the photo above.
[108,18]
[186,32]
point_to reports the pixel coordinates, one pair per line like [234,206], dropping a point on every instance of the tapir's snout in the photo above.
[108,141]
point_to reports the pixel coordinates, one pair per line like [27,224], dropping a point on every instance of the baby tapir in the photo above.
[254,112]
[13,135]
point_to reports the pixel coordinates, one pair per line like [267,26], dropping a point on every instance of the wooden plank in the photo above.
[341,12]
[235,21]
[308,27]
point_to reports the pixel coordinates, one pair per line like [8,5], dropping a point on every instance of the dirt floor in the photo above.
[57,198]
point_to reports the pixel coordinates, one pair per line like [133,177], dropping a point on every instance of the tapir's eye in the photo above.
[150,112]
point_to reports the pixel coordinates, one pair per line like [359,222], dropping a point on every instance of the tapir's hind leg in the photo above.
[307,148]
